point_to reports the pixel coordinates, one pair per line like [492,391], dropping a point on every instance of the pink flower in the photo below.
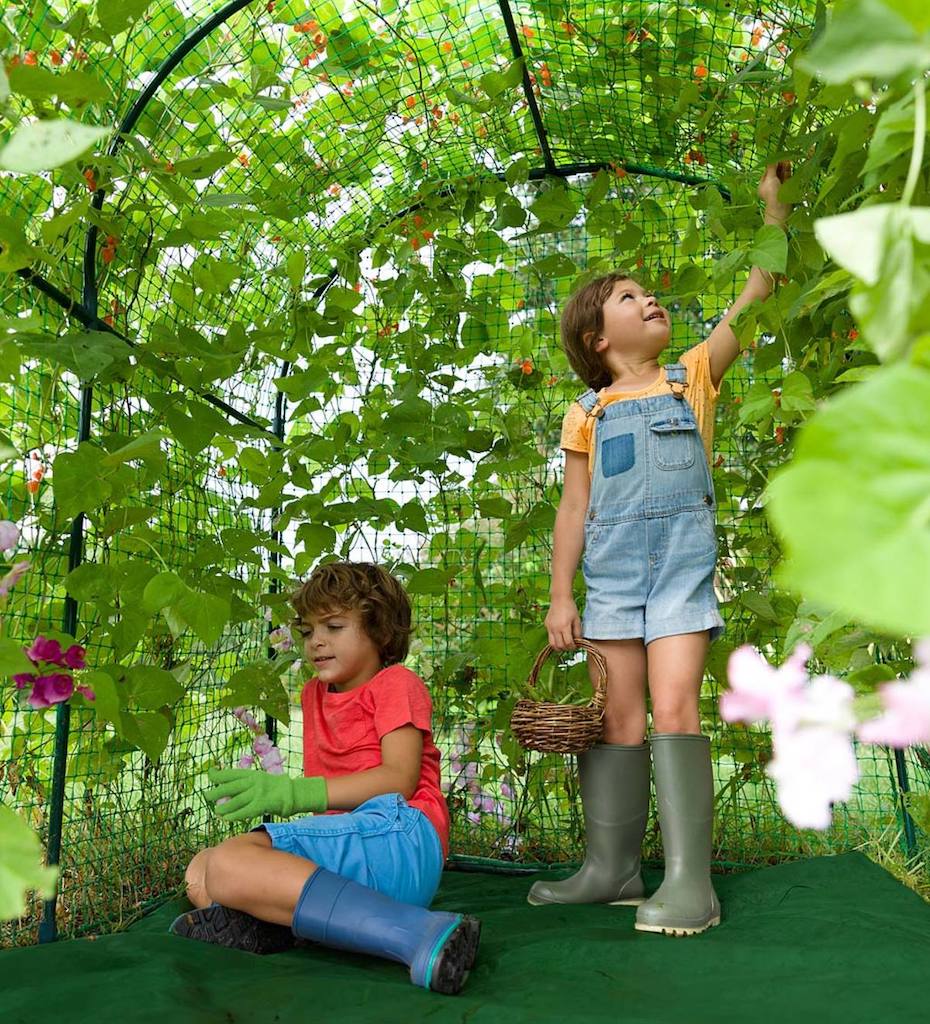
[17,571]
[9,535]
[51,689]
[43,649]
[756,688]
[246,761]
[87,693]
[814,763]
[813,768]
[262,745]
[280,639]
[74,657]
[247,719]
[906,717]
[272,762]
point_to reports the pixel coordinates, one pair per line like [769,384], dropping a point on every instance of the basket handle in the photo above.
[599,700]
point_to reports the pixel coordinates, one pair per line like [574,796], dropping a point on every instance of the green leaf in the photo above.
[43,145]
[8,450]
[116,16]
[161,590]
[153,687]
[555,207]
[296,269]
[79,482]
[86,354]
[108,702]
[147,730]
[758,403]
[888,248]
[205,614]
[853,507]
[145,446]
[797,393]
[205,164]
[495,508]
[15,251]
[72,87]
[12,659]
[21,867]
[854,240]
[494,83]
[91,582]
[430,581]
[540,517]
[770,249]
[865,39]
[759,605]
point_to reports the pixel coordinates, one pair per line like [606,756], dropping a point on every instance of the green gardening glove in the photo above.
[251,793]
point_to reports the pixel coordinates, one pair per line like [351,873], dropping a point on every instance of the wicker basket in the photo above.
[561,728]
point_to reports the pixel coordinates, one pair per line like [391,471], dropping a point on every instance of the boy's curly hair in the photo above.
[364,587]
[582,323]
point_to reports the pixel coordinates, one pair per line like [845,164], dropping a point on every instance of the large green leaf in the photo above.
[853,508]
[21,867]
[43,145]
[868,38]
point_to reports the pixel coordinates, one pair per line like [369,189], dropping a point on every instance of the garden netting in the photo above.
[306,303]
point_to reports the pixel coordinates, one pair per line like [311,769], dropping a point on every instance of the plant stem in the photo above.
[920,135]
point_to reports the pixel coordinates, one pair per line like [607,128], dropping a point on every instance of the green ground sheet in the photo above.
[826,939]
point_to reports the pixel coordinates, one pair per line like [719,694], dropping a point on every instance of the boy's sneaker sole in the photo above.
[233,929]
[456,958]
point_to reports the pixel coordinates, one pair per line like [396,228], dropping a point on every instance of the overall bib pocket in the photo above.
[674,442]
[617,454]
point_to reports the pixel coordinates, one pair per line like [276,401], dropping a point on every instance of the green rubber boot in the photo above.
[615,796]
[685,902]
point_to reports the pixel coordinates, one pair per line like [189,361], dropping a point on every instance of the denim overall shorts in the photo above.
[650,544]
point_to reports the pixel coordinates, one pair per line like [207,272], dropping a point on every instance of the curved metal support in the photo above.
[517,48]
[136,110]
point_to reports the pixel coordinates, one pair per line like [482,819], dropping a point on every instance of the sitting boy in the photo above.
[360,872]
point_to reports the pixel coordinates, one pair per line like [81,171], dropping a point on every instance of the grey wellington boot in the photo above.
[615,796]
[685,903]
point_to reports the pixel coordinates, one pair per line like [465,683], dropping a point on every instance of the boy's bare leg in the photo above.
[248,874]
[625,717]
[676,671]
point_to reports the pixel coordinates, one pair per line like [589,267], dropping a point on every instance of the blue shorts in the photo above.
[384,843]
[651,577]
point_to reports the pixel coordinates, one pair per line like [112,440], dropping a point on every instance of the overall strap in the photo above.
[676,376]
[589,403]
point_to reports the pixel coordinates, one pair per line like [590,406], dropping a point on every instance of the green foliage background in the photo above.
[314,289]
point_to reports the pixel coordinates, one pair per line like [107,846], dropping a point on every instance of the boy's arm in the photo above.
[723,345]
[248,793]
[399,772]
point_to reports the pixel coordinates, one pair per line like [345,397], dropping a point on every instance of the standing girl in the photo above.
[638,500]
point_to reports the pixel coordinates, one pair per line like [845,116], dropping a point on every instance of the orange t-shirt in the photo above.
[343,730]
[578,426]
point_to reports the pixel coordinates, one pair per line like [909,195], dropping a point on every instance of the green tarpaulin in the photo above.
[827,939]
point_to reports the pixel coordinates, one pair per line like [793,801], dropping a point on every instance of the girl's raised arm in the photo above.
[723,344]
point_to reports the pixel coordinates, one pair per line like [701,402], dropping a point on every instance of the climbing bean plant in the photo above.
[350,211]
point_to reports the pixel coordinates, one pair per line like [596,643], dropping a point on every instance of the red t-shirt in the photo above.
[343,730]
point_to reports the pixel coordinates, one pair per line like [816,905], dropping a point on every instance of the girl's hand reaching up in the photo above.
[776,212]
[563,624]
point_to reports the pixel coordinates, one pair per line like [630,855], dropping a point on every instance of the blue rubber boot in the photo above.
[439,948]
